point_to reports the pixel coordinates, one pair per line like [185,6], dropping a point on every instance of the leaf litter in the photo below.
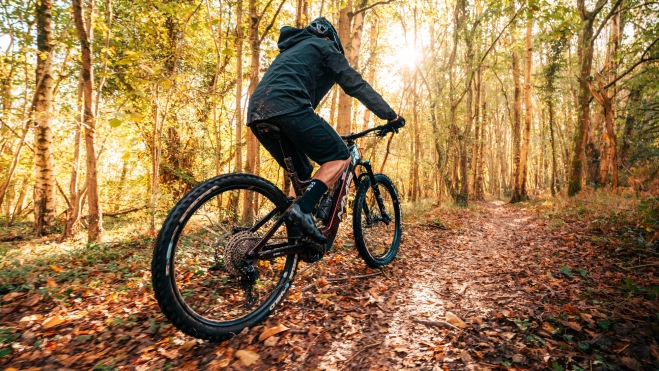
[495,288]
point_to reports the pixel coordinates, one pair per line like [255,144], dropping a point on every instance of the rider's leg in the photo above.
[331,171]
[312,136]
[324,178]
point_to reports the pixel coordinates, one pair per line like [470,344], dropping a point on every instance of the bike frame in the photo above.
[263,251]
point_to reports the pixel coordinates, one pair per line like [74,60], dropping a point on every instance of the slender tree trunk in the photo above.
[249,206]
[156,154]
[606,101]
[357,30]
[479,189]
[517,113]
[217,41]
[85,36]
[18,210]
[477,138]
[14,163]
[524,153]
[370,76]
[45,196]
[630,121]
[417,145]
[239,86]
[73,213]
[345,102]
[550,105]
[333,120]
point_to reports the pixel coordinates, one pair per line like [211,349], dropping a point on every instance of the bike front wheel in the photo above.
[377,221]
[200,251]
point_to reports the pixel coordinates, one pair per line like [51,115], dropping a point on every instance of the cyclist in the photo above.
[310,61]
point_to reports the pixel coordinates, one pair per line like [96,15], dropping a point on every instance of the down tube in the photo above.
[340,193]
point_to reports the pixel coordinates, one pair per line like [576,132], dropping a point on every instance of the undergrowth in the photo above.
[623,222]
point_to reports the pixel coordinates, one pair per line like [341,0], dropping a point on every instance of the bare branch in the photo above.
[606,19]
[352,14]
[274,18]
[641,61]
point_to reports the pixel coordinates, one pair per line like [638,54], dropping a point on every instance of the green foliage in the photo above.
[566,271]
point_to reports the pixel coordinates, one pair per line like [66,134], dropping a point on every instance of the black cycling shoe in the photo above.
[314,251]
[304,222]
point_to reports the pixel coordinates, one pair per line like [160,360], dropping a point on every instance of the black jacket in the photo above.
[304,71]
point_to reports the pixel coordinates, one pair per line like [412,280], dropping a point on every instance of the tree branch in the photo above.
[606,19]
[480,63]
[352,14]
[641,61]
[265,9]
[274,18]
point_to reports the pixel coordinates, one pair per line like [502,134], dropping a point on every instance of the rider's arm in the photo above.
[354,85]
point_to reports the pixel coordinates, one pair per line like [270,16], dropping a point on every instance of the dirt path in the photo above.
[531,297]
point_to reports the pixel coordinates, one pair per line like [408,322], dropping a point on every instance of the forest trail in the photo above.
[532,294]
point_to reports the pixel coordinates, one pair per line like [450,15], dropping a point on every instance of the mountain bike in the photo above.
[226,257]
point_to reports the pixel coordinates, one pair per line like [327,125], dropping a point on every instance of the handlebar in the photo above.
[353,136]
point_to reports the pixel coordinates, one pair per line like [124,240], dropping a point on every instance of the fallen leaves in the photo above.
[56,268]
[12,295]
[455,320]
[489,273]
[272,331]
[247,357]
[52,321]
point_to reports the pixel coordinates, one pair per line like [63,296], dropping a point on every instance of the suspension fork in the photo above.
[376,191]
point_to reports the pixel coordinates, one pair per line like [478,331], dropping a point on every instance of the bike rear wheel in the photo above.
[377,227]
[203,240]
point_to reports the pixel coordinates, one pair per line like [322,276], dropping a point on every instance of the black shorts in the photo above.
[304,134]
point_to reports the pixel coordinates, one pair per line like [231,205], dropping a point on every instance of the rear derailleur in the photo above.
[248,277]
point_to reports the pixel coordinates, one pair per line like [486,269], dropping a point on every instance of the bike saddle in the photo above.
[265,128]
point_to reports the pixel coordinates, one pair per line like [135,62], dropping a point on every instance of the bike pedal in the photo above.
[313,245]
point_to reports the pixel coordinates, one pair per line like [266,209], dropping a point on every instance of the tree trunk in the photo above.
[524,153]
[239,86]
[370,76]
[550,105]
[606,101]
[517,112]
[630,121]
[585,45]
[95,229]
[477,138]
[73,213]
[253,147]
[479,189]
[345,101]
[45,196]
[417,144]
[14,163]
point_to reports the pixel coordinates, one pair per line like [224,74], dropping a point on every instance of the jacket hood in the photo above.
[291,36]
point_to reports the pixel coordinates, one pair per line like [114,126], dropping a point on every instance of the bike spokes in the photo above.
[212,274]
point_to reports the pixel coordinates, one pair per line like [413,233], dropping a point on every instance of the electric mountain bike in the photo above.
[225,256]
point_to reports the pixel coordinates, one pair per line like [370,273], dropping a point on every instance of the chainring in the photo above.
[235,250]
[314,251]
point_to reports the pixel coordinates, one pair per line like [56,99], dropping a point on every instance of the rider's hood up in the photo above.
[291,36]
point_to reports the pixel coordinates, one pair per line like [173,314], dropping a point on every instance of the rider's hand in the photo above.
[397,123]
[391,126]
